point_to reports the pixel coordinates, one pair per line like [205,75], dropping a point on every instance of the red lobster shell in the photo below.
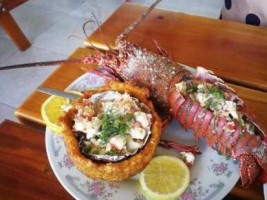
[249,149]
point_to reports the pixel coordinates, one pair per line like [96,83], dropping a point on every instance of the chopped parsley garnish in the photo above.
[217,97]
[212,104]
[112,152]
[114,124]
[241,121]
[192,88]
[216,93]
[209,104]
[85,148]
[251,128]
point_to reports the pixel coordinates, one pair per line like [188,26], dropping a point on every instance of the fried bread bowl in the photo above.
[112,171]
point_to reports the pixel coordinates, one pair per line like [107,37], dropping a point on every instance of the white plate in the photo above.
[212,176]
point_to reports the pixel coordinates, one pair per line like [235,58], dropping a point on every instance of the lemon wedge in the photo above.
[53,108]
[166,177]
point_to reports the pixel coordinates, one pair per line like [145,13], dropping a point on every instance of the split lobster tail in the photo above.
[204,103]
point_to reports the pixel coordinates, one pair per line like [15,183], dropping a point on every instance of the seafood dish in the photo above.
[196,98]
[112,133]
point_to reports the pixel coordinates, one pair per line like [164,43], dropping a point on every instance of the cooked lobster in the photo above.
[197,99]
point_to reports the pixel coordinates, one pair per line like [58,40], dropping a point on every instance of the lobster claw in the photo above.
[249,169]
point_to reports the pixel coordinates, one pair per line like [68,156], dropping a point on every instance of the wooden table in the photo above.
[25,172]
[236,52]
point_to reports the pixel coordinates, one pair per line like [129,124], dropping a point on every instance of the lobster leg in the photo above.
[249,169]
[169,144]
[161,50]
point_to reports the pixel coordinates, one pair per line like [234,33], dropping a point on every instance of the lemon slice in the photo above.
[166,177]
[53,108]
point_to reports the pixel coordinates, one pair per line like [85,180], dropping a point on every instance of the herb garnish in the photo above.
[241,121]
[218,96]
[192,88]
[85,148]
[216,92]
[112,152]
[114,124]
[251,128]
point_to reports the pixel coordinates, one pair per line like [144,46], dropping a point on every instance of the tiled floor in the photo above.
[49,23]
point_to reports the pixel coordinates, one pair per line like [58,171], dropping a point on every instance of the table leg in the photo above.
[14,32]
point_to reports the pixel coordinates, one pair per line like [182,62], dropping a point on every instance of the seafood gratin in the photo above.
[111,126]
[112,133]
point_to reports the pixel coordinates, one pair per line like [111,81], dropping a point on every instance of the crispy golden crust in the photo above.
[123,169]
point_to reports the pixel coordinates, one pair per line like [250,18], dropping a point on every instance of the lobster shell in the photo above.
[248,148]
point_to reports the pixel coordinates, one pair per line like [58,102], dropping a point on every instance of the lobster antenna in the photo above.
[84,31]
[84,26]
[161,50]
[84,42]
[75,36]
[39,64]
[127,31]
[101,33]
